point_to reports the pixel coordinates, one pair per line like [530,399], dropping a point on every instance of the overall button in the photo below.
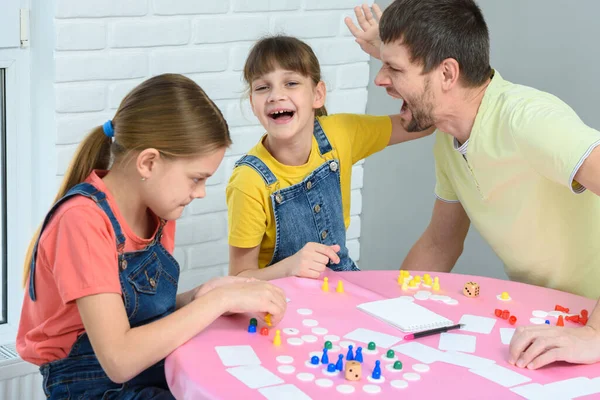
[317,208]
[123,265]
[333,166]
[152,282]
[278,198]
[309,185]
[324,235]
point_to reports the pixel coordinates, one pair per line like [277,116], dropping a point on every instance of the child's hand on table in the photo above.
[254,296]
[535,346]
[312,260]
[218,282]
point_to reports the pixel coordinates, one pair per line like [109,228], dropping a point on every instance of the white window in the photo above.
[3,269]
[16,171]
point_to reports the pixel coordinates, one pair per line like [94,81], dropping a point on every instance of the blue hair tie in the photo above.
[108,129]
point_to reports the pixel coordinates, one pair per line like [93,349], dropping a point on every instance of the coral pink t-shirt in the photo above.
[77,257]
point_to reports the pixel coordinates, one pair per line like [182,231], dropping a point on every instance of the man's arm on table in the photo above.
[442,242]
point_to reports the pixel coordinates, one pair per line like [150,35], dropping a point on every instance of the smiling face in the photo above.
[171,185]
[285,101]
[404,80]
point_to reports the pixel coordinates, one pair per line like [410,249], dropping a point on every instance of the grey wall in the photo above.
[548,44]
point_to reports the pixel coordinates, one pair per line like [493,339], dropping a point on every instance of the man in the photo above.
[514,161]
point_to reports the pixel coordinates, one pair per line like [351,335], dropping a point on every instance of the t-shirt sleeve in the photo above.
[368,134]
[554,140]
[443,187]
[247,220]
[84,258]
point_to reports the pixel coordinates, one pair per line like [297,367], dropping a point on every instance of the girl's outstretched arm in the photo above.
[124,352]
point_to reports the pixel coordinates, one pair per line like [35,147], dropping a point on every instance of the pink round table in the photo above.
[195,370]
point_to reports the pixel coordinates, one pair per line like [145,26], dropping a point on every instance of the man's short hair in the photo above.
[434,30]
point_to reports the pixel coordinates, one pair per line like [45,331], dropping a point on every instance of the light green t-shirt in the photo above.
[516,185]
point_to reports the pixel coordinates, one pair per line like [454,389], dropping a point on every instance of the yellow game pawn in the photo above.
[418,279]
[277,339]
[404,286]
[340,287]
[400,278]
[436,284]
[268,319]
[412,283]
[325,286]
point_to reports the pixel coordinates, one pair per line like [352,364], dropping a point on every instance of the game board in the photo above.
[226,361]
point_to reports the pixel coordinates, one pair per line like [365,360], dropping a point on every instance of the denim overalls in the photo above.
[309,211]
[149,284]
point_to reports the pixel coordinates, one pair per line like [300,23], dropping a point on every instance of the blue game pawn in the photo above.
[252,328]
[340,364]
[547,322]
[350,355]
[324,358]
[358,356]
[314,360]
[377,370]
[331,368]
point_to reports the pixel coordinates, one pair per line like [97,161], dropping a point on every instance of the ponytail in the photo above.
[92,153]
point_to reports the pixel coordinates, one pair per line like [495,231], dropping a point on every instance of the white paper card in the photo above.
[466,360]
[477,324]
[502,376]
[457,342]
[255,376]
[232,356]
[506,335]
[287,392]
[533,391]
[570,388]
[366,335]
[419,352]
[406,315]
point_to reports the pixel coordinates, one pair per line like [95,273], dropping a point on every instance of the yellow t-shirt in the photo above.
[516,185]
[251,220]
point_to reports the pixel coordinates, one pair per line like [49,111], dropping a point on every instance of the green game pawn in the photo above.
[253,321]
[398,365]
[390,354]
[328,345]
[371,346]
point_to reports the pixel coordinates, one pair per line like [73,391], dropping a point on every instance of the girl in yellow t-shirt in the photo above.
[289,197]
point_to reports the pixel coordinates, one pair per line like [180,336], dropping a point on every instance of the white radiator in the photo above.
[19,380]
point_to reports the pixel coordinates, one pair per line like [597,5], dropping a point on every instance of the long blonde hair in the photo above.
[284,52]
[169,113]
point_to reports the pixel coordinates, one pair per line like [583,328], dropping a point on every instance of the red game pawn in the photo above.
[584,313]
[583,321]
[561,309]
[505,314]
[498,312]
[264,331]
[560,321]
[512,320]
[572,318]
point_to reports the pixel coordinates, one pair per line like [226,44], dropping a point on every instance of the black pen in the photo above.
[430,332]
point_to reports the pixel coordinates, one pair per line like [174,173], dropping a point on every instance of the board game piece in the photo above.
[263,331]
[325,286]
[352,371]
[358,356]
[340,287]
[340,364]
[350,354]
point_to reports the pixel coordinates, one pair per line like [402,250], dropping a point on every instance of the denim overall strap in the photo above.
[312,211]
[322,141]
[89,191]
[256,164]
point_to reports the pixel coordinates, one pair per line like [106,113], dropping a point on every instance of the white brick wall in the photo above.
[105,48]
